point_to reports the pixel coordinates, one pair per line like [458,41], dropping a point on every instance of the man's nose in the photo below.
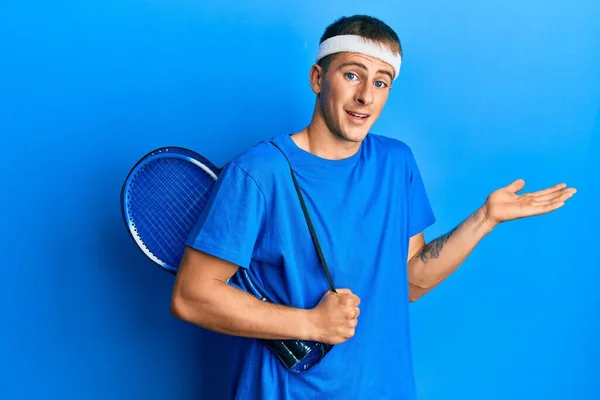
[364,94]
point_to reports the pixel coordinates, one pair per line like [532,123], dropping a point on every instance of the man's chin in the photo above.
[354,135]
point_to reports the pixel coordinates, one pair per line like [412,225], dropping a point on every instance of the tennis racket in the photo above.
[162,199]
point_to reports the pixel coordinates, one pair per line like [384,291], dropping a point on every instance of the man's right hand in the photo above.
[336,316]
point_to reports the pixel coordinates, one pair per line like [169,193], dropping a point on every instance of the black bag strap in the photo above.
[309,222]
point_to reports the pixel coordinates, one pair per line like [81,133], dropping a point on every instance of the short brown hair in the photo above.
[361,25]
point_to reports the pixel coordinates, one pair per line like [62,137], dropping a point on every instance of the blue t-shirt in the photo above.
[364,209]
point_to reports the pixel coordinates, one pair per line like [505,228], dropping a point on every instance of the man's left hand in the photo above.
[505,204]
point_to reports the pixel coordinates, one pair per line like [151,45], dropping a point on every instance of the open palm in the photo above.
[505,204]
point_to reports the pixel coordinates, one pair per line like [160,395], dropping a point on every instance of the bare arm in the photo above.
[202,297]
[429,264]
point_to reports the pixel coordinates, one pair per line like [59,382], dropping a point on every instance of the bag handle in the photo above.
[309,222]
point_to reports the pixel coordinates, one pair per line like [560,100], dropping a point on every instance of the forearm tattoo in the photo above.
[434,248]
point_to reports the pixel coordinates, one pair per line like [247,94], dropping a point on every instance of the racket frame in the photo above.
[162,152]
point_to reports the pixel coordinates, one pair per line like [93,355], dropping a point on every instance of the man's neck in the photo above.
[318,140]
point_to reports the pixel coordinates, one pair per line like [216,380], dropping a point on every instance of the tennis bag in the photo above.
[162,197]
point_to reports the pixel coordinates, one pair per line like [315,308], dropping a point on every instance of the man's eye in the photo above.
[350,75]
[380,84]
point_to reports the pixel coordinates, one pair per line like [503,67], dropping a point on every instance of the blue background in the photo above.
[489,92]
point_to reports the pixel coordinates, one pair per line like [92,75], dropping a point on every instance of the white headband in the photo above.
[358,44]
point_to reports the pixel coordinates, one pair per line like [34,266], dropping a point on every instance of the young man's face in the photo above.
[352,94]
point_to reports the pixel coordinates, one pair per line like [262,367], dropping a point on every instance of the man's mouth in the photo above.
[357,115]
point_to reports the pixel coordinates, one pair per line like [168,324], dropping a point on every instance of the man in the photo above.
[368,203]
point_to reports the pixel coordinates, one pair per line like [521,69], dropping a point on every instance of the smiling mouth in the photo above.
[357,115]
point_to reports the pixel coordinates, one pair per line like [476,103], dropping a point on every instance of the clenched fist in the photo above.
[336,316]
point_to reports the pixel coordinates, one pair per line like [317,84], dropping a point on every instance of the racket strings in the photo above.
[165,196]
[146,209]
[168,202]
[166,233]
[166,199]
[204,186]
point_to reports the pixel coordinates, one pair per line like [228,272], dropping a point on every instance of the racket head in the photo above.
[162,198]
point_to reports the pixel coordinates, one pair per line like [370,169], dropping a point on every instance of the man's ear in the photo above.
[316,77]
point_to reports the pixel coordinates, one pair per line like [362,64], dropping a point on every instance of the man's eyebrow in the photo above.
[363,66]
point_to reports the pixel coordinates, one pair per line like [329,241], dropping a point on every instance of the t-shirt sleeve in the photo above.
[229,225]
[420,211]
